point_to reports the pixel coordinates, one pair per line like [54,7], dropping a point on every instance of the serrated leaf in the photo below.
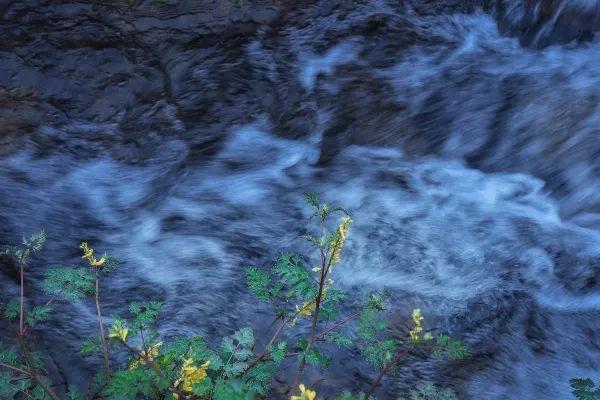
[259,376]
[315,357]
[258,282]
[235,368]
[428,391]
[11,311]
[145,313]
[245,337]
[89,347]
[449,347]
[227,345]
[293,275]
[8,355]
[585,389]
[381,352]
[10,386]
[330,307]
[69,283]
[370,324]
[278,352]
[37,315]
[232,389]
[339,339]
[74,393]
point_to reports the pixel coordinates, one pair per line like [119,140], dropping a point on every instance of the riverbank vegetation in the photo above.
[306,303]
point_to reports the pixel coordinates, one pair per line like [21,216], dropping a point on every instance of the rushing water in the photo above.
[469,162]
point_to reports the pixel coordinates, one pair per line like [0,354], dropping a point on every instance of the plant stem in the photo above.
[278,332]
[22,297]
[266,349]
[386,368]
[322,335]
[384,371]
[32,373]
[101,326]
[313,327]
[22,371]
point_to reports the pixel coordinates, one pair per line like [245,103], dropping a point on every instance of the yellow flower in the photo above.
[337,242]
[305,394]
[306,309]
[88,255]
[97,263]
[118,331]
[146,356]
[417,329]
[87,251]
[190,375]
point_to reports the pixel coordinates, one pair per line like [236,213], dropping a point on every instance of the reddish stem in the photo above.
[385,370]
[22,300]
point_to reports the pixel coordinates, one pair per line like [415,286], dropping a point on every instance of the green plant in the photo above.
[428,391]
[585,389]
[304,298]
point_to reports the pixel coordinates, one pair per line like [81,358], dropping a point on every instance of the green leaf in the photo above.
[330,307]
[259,376]
[203,388]
[244,337]
[449,347]
[302,344]
[10,385]
[428,391]
[380,353]
[132,383]
[585,389]
[370,324]
[36,241]
[9,355]
[293,275]
[315,357]
[11,311]
[311,199]
[339,339]
[89,347]
[37,315]
[318,243]
[258,283]
[38,393]
[69,283]
[278,352]
[145,314]
[232,389]
[350,396]
[194,347]
[234,369]
[377,301]
[227,345]
[74,393]
[110,264]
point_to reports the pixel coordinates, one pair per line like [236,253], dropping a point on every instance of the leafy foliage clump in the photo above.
[304,299]
[585,389]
